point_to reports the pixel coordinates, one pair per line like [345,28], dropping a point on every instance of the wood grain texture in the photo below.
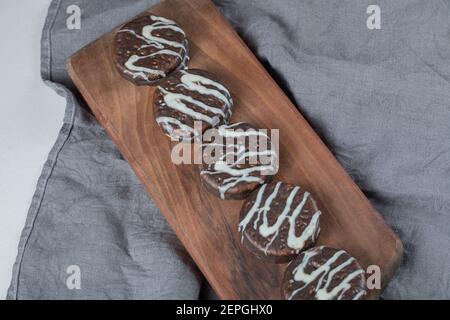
[206,225]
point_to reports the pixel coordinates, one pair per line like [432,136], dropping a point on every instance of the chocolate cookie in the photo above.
[237,160]
[278,221]
[149,48]
[189,102]
[324,273]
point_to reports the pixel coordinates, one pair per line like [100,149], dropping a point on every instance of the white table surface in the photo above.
[31,116]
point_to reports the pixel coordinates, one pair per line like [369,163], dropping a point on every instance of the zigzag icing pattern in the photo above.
[163,47]
[325,275]
[289,213]
[179,102]
[239,153]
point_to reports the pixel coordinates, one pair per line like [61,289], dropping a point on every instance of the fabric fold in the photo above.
[91,231]
[378,98]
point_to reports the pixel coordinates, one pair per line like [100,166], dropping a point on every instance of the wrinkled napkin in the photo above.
[379,98]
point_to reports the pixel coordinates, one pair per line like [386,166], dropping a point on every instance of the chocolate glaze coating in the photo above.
[252,163]
[278,221]
[153,43]
[324,273]
[187,96]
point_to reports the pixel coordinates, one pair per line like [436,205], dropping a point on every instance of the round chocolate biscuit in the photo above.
[324,273]
[188,102]
[237,160]
[149,48]
[278,221]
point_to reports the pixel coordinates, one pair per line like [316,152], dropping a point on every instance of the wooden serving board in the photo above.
[206,225]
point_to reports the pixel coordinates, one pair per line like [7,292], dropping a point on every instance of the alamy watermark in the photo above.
[73,281]
[73,21]
[230,146]
[373,22]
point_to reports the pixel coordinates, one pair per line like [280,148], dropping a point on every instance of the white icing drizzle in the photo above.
[225,131]
[162,45]
[168,123]
[238,175]
[359,295]
[325,275]
[290,214]
[175,101]
[140,71]
[193,82]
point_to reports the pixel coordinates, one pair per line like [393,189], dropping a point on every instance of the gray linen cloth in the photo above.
[378,98]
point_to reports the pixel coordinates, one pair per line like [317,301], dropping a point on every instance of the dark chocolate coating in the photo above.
[341,278]
[228,186]
[300,214]
[174,85]
[129,41]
